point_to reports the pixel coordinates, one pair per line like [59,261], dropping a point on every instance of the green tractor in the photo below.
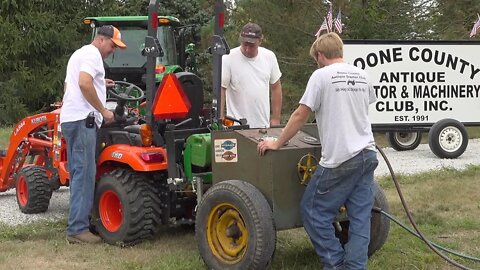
[130,64]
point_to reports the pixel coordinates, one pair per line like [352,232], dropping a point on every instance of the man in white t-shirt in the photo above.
[85,93]
[249,74]
[339,94]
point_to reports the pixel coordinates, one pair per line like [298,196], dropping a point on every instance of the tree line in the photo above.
[38,36]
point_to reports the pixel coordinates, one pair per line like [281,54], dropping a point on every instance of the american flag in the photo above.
[475,27]
[330,19]
[338,22]
[322,27]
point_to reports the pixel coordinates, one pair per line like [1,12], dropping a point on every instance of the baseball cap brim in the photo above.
[249,39]
[119,43]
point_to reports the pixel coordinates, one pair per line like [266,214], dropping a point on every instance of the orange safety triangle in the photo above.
[170,101]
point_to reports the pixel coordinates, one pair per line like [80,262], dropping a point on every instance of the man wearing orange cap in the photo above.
[82,113]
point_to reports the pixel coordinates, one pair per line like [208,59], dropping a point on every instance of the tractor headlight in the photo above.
[146,134]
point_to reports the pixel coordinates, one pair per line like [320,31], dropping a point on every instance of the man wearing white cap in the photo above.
[82,113]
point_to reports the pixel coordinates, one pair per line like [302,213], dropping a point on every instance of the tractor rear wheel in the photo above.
[33,190]
[126,210]
[379,227]
[235,228]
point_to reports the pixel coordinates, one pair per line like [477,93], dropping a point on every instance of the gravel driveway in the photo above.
[407,162]
[422,159]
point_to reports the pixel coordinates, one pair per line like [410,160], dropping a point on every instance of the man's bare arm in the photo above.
[222,102]
[298,118]
[276,103]
[85,82]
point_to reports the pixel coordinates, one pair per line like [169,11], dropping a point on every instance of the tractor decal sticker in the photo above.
[226,150]
[39,119]
[229,156]
[228,145]
[117,155]
[19,127]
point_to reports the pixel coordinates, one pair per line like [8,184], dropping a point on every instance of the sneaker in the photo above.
[84,238]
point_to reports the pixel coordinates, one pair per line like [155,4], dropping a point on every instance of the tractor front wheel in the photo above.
[126,209]
[235,228]
[33,190]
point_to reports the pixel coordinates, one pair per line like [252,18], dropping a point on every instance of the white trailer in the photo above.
[422,86]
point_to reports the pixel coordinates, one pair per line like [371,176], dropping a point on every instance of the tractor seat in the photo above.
[193,87]
[132,129]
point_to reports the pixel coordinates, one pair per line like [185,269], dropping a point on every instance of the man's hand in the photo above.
[296,121]
[109,83]
[108,116]
[263,146]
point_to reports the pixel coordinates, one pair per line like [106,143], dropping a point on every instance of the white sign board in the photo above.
[420,82]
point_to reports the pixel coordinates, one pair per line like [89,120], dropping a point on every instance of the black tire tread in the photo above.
[380,223]
[143,205]
[39,190]
[261,217]
[434,142]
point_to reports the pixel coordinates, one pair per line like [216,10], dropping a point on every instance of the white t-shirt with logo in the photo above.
[340,94]
[75,107]
[248,81]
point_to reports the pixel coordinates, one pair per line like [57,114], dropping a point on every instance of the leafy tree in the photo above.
[452,20]
[289,27]
[41,35]
[380,19]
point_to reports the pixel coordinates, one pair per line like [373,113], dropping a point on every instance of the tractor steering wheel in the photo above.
[125,90]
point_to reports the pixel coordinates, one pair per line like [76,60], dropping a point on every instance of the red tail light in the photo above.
[153,157]
[154,21]
[221,20]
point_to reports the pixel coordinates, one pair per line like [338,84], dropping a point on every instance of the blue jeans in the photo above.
[82,168]
[351,185]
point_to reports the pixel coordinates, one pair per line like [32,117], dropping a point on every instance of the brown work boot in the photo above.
[84,238]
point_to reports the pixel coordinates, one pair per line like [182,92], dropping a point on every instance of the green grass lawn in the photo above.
[445,217]
[5,136]
[444,204]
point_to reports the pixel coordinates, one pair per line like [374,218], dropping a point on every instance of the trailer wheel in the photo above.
[235,228]
[404,141]
[33,190]
[380,224]
[448,138]
[126,210]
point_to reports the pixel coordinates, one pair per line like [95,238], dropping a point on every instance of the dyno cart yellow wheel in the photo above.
[234,227]
[227,235]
